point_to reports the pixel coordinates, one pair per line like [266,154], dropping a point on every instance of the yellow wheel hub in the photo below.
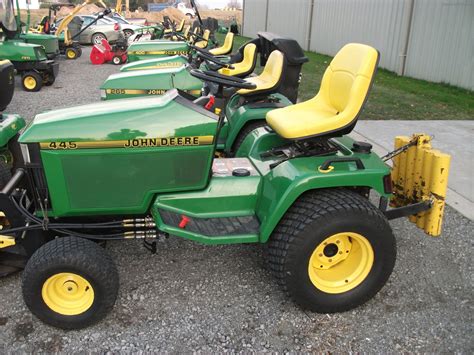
[68,294]
[341,262]
[29,82]
[71,54]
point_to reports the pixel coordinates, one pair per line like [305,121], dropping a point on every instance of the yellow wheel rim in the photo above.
[341,262]
[71,54]
[29,82]
[68,294]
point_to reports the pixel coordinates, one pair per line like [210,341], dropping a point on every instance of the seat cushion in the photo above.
[335,109]
[246,66]
[270,78]
[303,119]
[226,48]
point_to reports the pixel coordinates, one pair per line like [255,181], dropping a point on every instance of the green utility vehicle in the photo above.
[146,167]
[30,60]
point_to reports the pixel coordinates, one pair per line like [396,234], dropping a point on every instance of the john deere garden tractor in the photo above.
[30,60]
[156,76]
[145,167]
[24,34]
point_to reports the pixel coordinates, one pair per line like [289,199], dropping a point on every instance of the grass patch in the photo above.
[393,97]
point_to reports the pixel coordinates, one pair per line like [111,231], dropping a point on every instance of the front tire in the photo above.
[70,283]
[332,251]
[117,60]
[127,33]
[31,81]
[72,53]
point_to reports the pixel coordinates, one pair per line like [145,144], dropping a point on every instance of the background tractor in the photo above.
[29,60]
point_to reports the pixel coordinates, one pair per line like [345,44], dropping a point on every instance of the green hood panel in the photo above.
[175,61]
[150,82]
[49,42]
[18,51]
[152,117]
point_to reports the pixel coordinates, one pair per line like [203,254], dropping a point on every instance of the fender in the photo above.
[283,184]
[10,125]
[240,115]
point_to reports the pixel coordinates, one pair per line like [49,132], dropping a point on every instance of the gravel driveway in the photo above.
[190,297]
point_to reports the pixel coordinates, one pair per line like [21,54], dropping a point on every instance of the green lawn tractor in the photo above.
[49,42]
[156,76]
[222,53]
[145,168]
[30,60]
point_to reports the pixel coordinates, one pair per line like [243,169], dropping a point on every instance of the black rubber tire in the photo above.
[315,216]
[74,53]
[49,79]
[246,130]
[34,75]
[117,60]
[75,255]
[5,174]
[79,52]
[127,33]
[96,35]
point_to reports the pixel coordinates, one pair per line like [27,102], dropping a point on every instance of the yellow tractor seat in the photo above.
[203,43]
[270,79]
[334,110]
[246,66]
[226,48]
[180,26]
[187,28]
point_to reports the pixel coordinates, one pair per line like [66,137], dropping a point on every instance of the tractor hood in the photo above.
[150,82]
[118,122]
[175,61]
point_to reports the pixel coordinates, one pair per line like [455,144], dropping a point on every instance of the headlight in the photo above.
[103,95]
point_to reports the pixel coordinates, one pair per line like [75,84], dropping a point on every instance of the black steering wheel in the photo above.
[210,58]
[222,80]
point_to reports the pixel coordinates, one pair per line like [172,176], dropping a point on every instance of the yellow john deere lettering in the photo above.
[160,66]
[131,143]
[158,52]
[145,91]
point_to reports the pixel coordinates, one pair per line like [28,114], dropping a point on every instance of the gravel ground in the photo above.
[189,297]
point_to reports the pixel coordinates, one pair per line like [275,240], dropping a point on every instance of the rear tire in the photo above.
[5,174]
[347,271]
[246,130]
[70,283]
[31,81]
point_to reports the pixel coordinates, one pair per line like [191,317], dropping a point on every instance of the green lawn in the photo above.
[393,97]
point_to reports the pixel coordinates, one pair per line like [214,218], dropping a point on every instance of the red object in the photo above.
[184,221]
[116,27]
[210,103]
[104,53]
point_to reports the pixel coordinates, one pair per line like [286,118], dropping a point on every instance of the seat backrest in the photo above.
[347,80]
[181,26]
[186,31]
[271,77]
[226,48]
[246,66]
[203,43]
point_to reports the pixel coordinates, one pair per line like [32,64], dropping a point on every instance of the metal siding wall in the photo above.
[290,19]
[379,23]
[441,46]
[254,17]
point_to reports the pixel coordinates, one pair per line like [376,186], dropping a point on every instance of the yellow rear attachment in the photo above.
[420,173]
